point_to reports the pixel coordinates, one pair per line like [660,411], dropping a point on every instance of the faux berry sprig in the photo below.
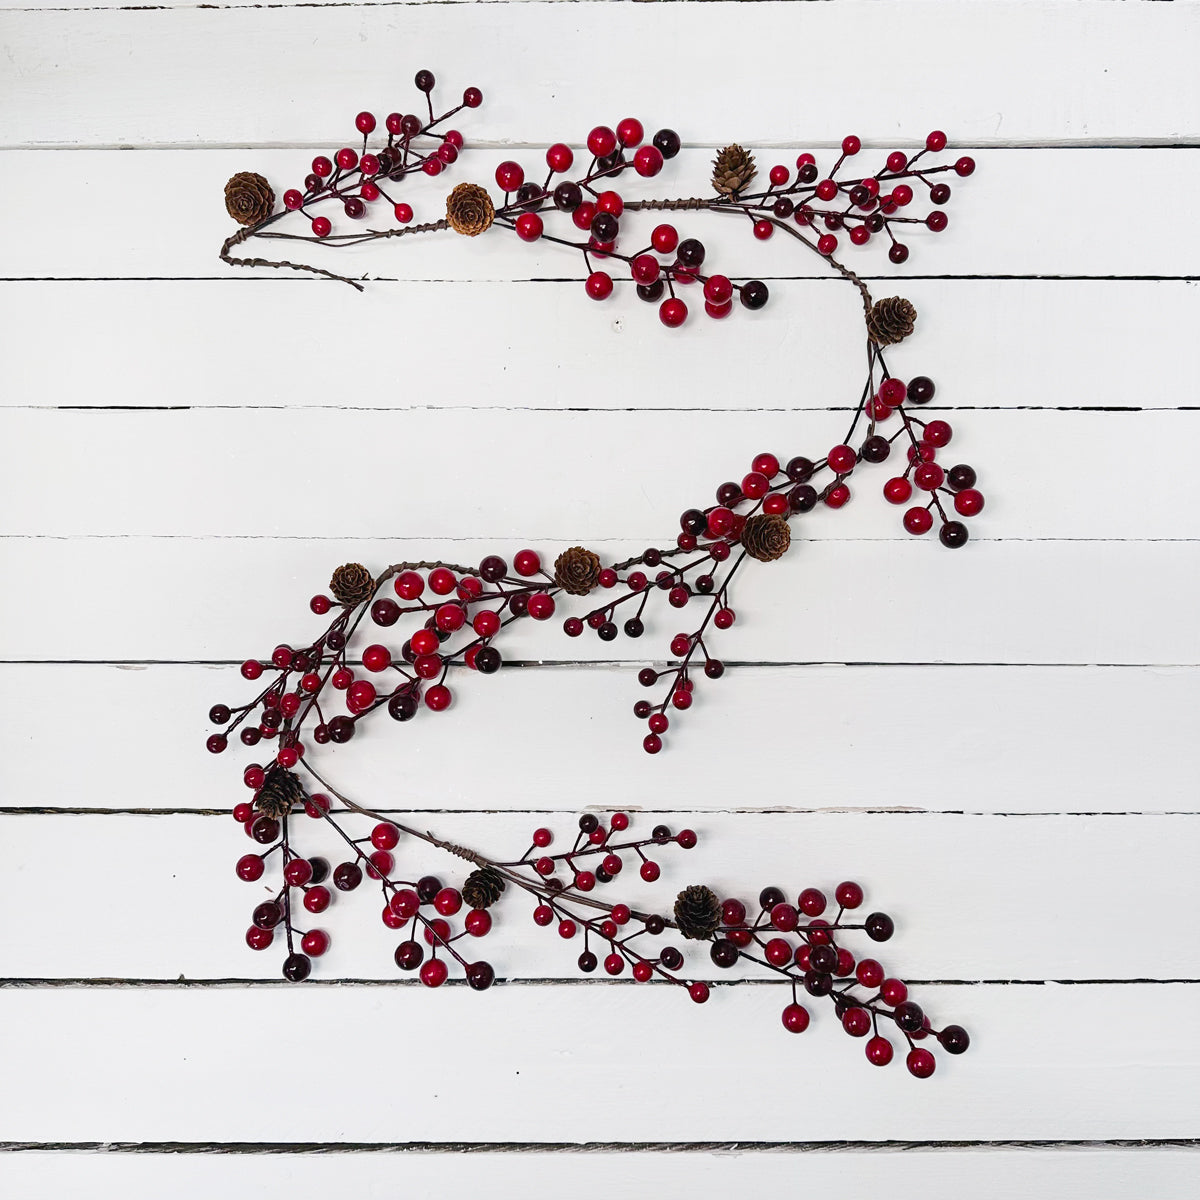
[440,925]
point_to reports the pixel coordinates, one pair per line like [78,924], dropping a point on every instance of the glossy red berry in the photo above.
[664,238]
[259,939]
[827,244]
[812,902]
[652,743]
[529,227]
[509,176]
[879,1051]
[541,606]
[472,97]
[672,313]
[403,213]
[795,1018]
[543,914]
[897,490]
[920,1063]
[439,698]
[602,141]
[448,901]
[856,1022]
[849,894]
[965,166]
[938,433]
[648,161]
[649,871]
[442,581]
[478,922]
[434,973]
[560,157]
[315,942]
[250,868]
[377,658]
[321,227]
[893,992]
[968,502]
[929,476]
[842,459]
[918,520]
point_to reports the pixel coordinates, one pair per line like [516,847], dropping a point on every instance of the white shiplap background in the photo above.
[999,742]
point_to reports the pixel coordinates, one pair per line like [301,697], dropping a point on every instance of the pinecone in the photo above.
[248,198]
[733,168]
[351,584]
[697,912]
[577,571]
[891,320]
[469,210]
[483,887]
[280,793]
[766,537]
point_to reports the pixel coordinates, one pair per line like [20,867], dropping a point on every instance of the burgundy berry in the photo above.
[954,1039]
[879,1051]
[920,1063]
[297,967]
[879,927]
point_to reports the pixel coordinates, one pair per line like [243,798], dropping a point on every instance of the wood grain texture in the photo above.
[1091,1173]
[1073,880]
[225,599]
[998,219]
[148,1064]
[886,701]
[506,325]
[1004,739]
[1023,79]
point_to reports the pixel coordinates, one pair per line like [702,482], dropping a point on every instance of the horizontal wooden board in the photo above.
[1002,222]
[1090,739]
[175,911]
[173,599]
[1092,1173]
[206,1064]
[810,322]
[568,476]
[281,75]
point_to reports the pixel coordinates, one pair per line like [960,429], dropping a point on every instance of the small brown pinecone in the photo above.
[280,793]
[351,584]
[891,320]
[248,198]
[766,537]
[469,210]
[733,169]
[577,571]
[697,911]
[483,887]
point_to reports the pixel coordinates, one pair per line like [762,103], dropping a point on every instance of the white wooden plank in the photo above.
[175,599]
[955,919]
[508,323]
[250,473]
[299,74]
[205,1064]
[1093,739]
[1092,1173]
[998,221]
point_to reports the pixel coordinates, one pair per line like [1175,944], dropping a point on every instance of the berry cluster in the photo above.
[436,923]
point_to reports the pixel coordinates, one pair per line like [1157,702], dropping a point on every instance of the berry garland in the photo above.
[455,614]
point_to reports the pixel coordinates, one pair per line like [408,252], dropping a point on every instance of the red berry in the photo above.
[778,952]
[602,141]
[795,1018]
[409,585]
[438,698]
[918,520]
[403,213]
[527,563]
[322,166]
[630,132]
[842,459]
[893,992]
[672,313]
[249,868]
[784,917]
[643,972]
[543,914]
[478,922]
[529,227]
[698,991]
[879,1051]
[826,189]
[664,238]
[472,97]
[935,141]
[292,199]
[856,1022]
[541,606]
[442,581]
[968,502]
[965,166]
[315,942]
[929,476]
[849,895]
[645,269]
[259,939]
[542,837]
[649,871]
[321,227]
[648,161]
[869,973]
[560,157]
[347,159]
[897,491]
[298,872]
[763,229]
[385,836]
[920,1063]
[544,865]
[851,145]
[827,243]
[938,433]
[509,176]
[652,743]
[812,902]
[377,658]
[434,972]
[566,929]
[448,901]
[837,496]
[892,391]
[902,194]
[860,235]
